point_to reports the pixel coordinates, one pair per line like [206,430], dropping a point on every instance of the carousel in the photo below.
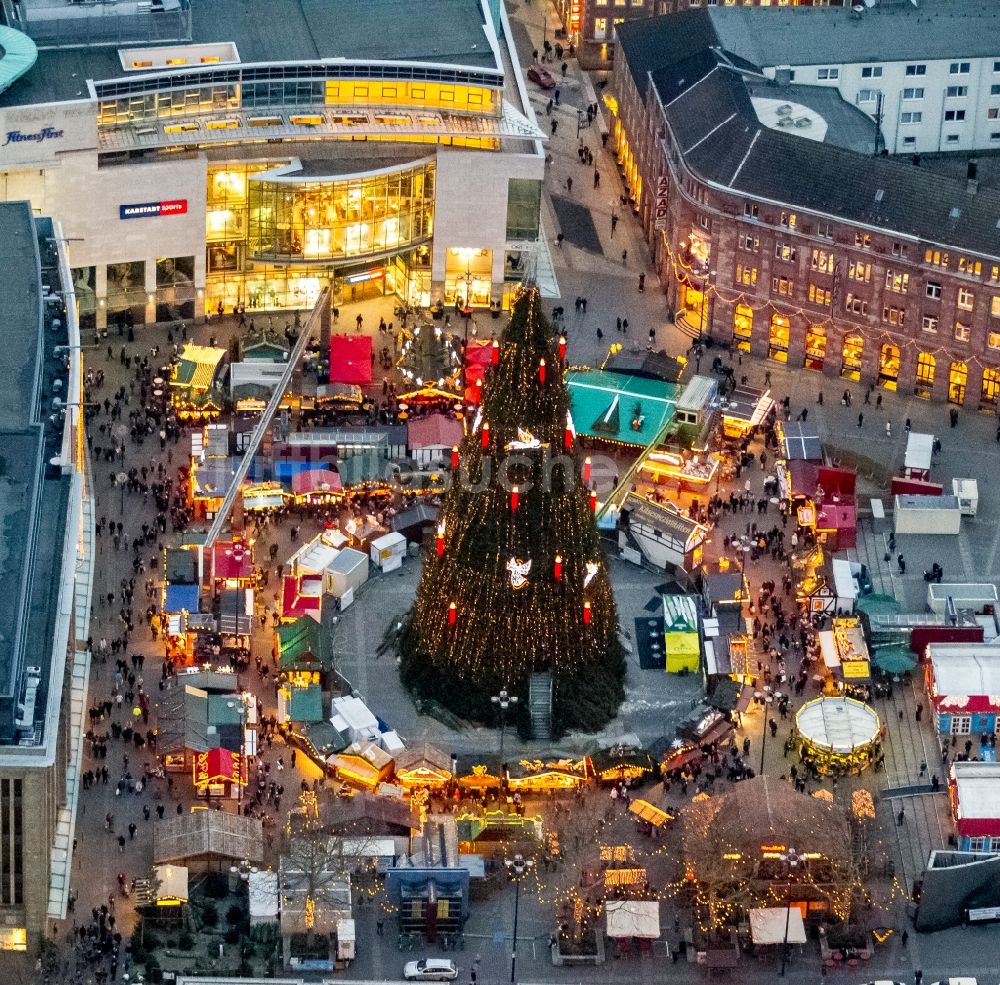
[838,735]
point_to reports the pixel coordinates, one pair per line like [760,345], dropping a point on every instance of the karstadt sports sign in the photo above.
[148,210]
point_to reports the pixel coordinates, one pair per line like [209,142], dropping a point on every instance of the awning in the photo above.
[351,359]
[180,598]
[777,925]
[220,766]
[645,811]
[897,658]
[316,481]
[633,918]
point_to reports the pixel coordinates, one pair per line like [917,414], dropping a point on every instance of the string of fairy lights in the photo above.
[516,581]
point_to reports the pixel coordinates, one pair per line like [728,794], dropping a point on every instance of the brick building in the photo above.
[778,229]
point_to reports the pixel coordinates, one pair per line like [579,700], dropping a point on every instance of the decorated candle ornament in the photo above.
[557,568]
[486,435]
[452,614]
[586,613]
[593,500]
[495,354]
[541,371]
[562,347]
[515,498]
[454,457]
[586,471]
[440,539]
[570,431]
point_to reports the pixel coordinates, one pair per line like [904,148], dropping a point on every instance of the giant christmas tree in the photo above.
[516,582]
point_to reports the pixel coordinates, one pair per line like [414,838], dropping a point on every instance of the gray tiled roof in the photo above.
[934,29]
[711,115]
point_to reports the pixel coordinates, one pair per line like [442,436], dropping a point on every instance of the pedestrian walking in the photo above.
[569,186]
[901,817]
[597,178]
[904,937]
[642,283]
[901,561]
[861,420]
[888,429]
[918,713]
[614,223]
[918,977]
[624,257]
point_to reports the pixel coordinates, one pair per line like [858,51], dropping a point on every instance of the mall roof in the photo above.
[835,35]
[32,507]
[447,32]
[708,106]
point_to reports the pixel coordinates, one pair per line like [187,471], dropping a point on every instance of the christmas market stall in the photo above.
[799,441]
[363,765]
[303,652]
[422,764]
[744,409]
[317,487]
[547,775]
[263,497]
[963,683]
[838,735]
[301,595]
[626,762]
[232,565]
[659,533]
[477,773]
[235,623]
[195,382]
[207,841]
[691,471]
[633,922]
[845,655]
[430,439]
[498,833]
[974,793]
[681,640]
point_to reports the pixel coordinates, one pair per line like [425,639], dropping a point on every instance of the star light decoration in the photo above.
[591,569]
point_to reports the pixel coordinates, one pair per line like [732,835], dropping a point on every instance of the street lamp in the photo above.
[791,859]
[503,701]
[121,478]
[517,868]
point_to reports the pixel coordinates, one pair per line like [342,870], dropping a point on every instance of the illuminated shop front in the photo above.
[777,348]
[743,327]
[958,378]
[888,366]
[468,276]
[926,368]
[990,390]
[850,356]
[815,347]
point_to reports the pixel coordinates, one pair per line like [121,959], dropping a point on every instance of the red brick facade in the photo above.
[780,281]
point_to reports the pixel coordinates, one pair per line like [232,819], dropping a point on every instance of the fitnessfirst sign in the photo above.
[20,137]
[149,210]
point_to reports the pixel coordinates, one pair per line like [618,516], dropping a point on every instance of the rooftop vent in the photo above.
[879,195]
[955,213]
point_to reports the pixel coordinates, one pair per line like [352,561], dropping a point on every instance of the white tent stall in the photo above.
[633,918]
[768,925]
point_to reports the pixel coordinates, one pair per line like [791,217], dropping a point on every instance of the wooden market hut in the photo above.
[208,840]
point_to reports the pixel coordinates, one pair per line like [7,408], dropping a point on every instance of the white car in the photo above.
[430,970]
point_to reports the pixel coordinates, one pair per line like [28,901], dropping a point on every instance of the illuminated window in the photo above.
[749,242]
[892,315]
[788,219]
[858,270]
[966,265]
[856,305]
[177,61]
[962,332]
[864,240]
[786,252]
[784,286]
[936,258]
[897,282]
[822,260]
[966,299]
[747,276]
[993,340]
[819,295]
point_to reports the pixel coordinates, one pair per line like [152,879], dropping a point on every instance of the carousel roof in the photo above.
[764,811]
[838,724]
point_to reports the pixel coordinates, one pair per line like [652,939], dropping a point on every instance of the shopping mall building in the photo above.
[200,152]
[821,186]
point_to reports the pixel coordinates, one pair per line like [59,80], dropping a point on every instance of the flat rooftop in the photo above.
[32,508]
[450,32]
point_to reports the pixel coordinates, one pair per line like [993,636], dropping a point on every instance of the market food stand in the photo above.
[838,735]
[845,653]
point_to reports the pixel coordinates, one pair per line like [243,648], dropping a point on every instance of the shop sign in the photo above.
[366,276]
[575,15]
[20,137]
[149,210]
[853,669]
[660,215]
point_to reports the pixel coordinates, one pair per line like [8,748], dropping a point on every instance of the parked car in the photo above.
[430,970]
[541,76]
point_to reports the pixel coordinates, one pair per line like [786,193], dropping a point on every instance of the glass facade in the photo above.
[350,218]
[524,203]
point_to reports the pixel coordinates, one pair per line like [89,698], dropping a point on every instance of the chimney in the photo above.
[972,177]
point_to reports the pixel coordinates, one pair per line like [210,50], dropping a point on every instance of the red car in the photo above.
[541,76]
